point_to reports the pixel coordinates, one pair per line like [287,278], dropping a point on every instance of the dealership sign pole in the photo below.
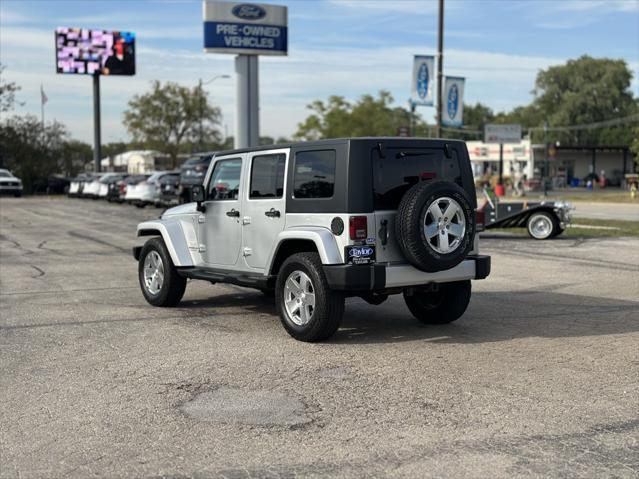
[81,51]
[247,30]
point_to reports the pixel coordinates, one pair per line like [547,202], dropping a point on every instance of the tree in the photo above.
[7,92]
[30,150]
[368,116]
[171,116]
[475,117]
[583,91]
[73,157]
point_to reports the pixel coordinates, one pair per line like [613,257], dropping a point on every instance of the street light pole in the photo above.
[440,67]
[200,86]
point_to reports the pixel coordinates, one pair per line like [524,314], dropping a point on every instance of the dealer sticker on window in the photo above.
[360,254]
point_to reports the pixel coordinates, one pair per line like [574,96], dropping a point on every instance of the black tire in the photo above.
[173,286]
[550,225]
[558,231]
[440,307]
[327,314]
[409,229]
[18,194]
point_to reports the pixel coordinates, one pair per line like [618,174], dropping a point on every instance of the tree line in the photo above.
[176,120]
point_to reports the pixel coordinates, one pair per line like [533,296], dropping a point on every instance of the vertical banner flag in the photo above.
[423,80]
[453,98]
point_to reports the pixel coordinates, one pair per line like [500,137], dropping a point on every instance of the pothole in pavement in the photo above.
[238,406]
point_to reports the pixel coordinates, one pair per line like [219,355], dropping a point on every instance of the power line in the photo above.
[590,126]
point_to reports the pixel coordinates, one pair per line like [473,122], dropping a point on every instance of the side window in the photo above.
[314,174]
[267,176]
[225,180]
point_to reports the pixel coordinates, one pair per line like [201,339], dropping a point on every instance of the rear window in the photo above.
[197,160]
[314,174]
[267,176]
[404,167]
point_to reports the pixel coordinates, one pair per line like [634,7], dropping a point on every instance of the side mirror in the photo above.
[197,195]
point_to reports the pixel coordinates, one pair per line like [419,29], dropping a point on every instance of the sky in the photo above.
[336,47]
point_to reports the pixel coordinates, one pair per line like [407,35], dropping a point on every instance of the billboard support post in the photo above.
[247,101]
[96,123]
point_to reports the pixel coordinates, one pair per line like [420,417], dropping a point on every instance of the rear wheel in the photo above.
[542,226]
[309,310]
[160,282]
[443,306]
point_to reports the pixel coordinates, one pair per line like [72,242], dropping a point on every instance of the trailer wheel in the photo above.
[542,225]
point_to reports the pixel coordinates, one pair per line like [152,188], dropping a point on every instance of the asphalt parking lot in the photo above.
[540,378]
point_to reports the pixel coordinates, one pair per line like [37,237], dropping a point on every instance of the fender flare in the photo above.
[174,238]
[322,238]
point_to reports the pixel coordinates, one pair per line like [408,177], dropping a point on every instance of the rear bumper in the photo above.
[379,277]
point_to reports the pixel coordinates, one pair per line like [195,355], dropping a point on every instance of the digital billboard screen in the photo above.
[94,52]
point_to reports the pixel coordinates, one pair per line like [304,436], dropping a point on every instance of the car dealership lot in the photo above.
[541,376]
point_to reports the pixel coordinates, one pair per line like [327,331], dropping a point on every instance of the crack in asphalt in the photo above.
[39,272]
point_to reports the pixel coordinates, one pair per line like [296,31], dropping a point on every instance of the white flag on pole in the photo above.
[453,99]
[423,80]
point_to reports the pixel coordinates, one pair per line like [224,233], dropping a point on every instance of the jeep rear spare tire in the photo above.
[435,225]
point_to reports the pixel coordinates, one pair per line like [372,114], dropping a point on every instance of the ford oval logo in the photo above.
[248,11]
[422,81]
[453,101]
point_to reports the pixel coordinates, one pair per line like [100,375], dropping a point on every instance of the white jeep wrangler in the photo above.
[313,223]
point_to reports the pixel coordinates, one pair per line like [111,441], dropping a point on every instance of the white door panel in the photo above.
[263,204]
[221,229]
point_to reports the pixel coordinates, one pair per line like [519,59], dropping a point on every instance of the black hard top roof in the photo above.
[436,142]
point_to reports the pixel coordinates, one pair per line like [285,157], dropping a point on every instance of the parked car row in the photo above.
[161,188]
[157,189]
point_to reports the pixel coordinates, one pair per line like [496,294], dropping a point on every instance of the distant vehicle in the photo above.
[542,219]
[108,179]
[118,191]
[92,186]
[146,192]
[192,172]
[313,223]
[57,185]
[10,184]
[76,185]
[169,185]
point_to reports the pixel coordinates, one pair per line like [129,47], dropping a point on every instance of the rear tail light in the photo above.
[480,219]
[357,227]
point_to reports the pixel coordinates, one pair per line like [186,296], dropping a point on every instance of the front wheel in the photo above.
[542,226]
[309,310]
[443,306]
[160,282]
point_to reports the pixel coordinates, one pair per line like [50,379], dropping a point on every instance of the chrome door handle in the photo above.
[233,213]
[272,213]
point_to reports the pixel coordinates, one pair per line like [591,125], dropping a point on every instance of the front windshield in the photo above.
[4,174]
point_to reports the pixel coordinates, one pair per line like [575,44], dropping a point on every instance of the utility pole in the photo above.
[440,67]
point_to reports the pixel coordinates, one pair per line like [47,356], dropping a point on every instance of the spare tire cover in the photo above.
[435,225]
